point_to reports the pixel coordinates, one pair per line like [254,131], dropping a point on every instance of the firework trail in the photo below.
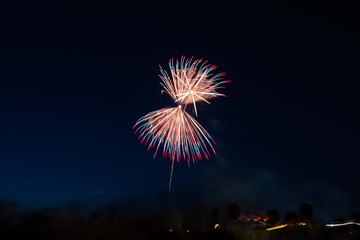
[173,129]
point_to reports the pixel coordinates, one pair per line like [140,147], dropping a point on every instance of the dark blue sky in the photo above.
[76,77]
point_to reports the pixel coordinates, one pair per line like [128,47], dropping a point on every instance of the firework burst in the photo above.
[180,135]
[192,81]
[173,129]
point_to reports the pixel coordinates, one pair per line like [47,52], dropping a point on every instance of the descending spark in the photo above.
[192,81]
[171,174]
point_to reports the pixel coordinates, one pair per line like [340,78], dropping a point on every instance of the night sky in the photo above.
[74,78]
